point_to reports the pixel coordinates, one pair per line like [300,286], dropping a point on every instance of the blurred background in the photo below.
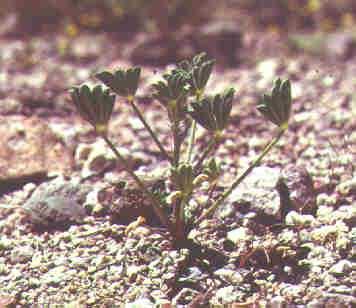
[157,32]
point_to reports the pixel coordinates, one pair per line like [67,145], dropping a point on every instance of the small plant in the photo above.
[181,93]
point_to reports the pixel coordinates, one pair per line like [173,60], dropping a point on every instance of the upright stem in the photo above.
[176,143]
[218,202]
[206,152]
[191,141]
[193,129]
[155,203]
[153,135]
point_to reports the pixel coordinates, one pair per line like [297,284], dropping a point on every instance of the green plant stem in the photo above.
[155,203]
[193,129]
[176,143]
[206,152]
[180,227]
[218,202]
[191,141]
[153,135]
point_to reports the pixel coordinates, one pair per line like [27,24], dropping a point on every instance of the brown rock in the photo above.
[28,151]
[296,190]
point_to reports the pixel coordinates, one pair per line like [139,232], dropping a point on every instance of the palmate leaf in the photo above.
[276,107]
[213,113]
[198,71]
[94,105]
[123,83]
[172,93]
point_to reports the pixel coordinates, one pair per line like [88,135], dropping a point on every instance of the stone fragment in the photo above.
[140,303]
[56,202]
[295,219]
[296,191]
[94,158]
[257,192]
[239,235]
[341,268]
[29,151]
[22,254]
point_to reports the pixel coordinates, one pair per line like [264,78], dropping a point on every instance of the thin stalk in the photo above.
[153,135]
[181,222]
[191,141]
[193,129]
[206,152]
[218,202]
[176,143]
[155,203]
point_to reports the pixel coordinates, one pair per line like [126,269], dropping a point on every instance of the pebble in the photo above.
[22,254]
[259,192]
[277,302]
[341,268]
[140,303]
[226,295]
[295,219]
[239,235]
[94,158]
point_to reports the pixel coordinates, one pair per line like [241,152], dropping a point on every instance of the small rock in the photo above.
[193,275]
[278,302]
[184,297]
[57,275]
[315,303]
[295,219]
[293,291]
[133,270]
[347,187]
[342,268]
[226,295]
[56,202]
[140,303]
[94,158]
[22,254]
[231,276]
[239,235]
[342,289]
[29,151]
[322,233]
[92,202]
[258,192]
[296,190]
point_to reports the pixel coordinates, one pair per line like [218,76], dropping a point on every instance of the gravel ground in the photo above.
[295,258]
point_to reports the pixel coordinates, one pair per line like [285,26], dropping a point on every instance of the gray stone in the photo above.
[57,275]
[94,158]
[296,219]
[22,254]
[258,192]
[341,268]
[296,190]
[226,295]
[58,201]
[239,235]
[140,303]
[29,151]
[184,297]
[229,275]
[278,302]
